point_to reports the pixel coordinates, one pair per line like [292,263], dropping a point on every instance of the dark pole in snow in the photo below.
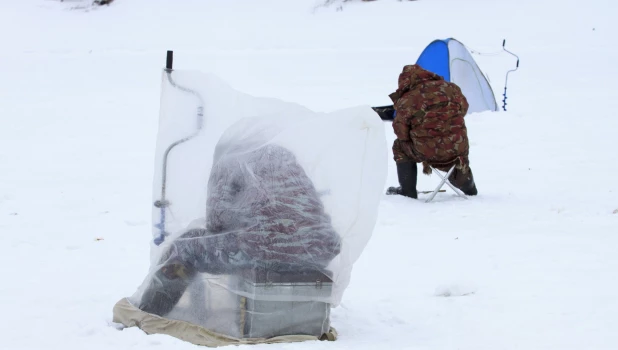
[507,73]
[169,62]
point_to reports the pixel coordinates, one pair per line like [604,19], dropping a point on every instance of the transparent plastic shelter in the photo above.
[261,208]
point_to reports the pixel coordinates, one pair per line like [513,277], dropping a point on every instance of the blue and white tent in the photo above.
[450,59]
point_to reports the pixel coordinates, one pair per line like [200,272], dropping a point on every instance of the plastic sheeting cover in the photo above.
[264,207]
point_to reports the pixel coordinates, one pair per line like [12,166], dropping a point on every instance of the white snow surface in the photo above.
[527,264]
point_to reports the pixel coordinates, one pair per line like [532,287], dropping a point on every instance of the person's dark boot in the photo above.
[407,174]
[166,288]
[464,182]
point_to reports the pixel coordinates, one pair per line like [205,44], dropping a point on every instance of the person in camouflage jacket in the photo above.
[262,212]
[430,129]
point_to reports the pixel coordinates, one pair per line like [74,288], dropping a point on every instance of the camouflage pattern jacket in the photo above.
[269,213]
[429,123]
[262,212]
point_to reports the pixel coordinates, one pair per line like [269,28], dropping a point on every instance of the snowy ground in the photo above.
[525,265]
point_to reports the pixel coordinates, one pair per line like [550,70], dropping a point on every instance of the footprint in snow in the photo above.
[454,290]
[135,223]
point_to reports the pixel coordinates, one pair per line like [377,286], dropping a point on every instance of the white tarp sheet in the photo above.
[261,209]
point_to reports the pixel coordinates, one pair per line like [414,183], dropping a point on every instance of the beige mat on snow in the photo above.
[130,316]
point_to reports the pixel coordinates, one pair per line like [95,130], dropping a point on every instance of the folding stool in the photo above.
[444,181]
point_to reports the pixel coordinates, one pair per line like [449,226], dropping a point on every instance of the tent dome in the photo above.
[450,59]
